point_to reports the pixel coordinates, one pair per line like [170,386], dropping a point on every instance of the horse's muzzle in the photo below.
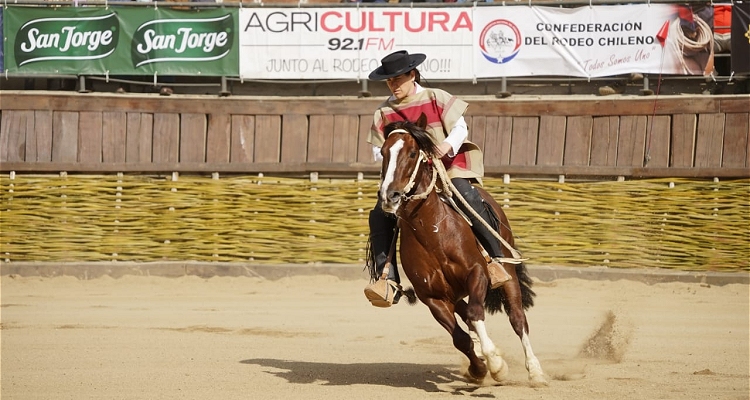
[391,201]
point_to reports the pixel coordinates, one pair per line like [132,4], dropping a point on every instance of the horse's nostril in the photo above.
[394,196]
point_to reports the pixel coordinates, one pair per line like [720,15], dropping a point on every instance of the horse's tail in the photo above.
[495,301]
[411,295]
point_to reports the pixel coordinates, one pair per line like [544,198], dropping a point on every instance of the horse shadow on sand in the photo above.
[428,377]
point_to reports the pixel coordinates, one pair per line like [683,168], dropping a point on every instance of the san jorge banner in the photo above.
[2,56]
[59,41]
[121,41]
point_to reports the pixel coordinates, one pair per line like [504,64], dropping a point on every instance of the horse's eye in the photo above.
[412,154]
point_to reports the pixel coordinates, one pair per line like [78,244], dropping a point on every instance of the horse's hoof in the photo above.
[502,374]
[475,374]
[538,381]
[473,379]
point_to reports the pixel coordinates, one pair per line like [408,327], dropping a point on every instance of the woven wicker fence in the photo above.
[667,223]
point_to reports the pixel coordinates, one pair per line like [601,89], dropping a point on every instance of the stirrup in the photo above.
[383,293]
[498,274]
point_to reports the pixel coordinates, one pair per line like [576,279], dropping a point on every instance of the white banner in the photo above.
[474,42]
[588,41]
[348,43]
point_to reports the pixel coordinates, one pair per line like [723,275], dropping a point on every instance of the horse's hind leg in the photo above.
[443,312]
[521,327]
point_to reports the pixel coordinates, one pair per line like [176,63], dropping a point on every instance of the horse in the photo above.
[440,255]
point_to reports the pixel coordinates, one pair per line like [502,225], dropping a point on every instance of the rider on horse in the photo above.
[462,159]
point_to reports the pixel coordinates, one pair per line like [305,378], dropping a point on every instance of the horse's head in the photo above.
[406,146]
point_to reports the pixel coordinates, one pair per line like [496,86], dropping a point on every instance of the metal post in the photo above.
[224,92]
[82,84]
[503,93]
[364,91]
[646,91]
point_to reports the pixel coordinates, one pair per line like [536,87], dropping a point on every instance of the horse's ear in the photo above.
[422,121]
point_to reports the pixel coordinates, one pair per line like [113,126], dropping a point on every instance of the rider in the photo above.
[462,159]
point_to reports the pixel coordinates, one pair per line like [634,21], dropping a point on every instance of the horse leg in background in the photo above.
[498,274]
[495,362]
[443,312]
[518,321]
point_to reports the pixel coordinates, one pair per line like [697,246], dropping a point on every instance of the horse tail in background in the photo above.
[495,301]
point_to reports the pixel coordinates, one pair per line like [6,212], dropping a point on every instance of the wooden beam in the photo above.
[520,135]
[374,168]
[513,106]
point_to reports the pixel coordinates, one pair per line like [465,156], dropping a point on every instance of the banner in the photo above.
[740,38]
[348,43]
[121,41]
[461,43]
[588,41]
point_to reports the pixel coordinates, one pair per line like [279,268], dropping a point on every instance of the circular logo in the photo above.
[500,41]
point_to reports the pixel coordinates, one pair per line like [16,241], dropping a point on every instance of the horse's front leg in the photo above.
[483,345]
[443,312]
[518,321]
[473,314]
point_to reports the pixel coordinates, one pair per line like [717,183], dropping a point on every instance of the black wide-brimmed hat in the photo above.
[395,64]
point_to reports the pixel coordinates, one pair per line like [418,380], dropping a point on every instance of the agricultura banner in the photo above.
[348,43]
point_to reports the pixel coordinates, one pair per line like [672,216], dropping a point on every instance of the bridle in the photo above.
[423,158]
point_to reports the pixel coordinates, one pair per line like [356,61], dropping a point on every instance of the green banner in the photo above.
[121,41]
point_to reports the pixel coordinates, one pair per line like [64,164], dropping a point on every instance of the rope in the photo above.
[683,46]
[413,177]
[427,191]
[647,158]
[450,190]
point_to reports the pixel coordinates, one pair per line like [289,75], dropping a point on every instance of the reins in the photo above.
[421,196]
[450,190]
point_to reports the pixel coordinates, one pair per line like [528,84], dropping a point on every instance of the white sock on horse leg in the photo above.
[497,366]
[536,375]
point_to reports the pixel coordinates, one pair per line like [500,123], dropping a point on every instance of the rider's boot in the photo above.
[497,273]
[384,291]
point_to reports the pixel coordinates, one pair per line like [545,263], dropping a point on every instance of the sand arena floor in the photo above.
[316,337]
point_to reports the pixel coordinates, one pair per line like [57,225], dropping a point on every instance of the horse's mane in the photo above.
[423,138]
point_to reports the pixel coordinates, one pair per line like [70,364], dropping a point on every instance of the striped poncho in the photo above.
[443,111]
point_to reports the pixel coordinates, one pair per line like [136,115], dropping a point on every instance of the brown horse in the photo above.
[442,259]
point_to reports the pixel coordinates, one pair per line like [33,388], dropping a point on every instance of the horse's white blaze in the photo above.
[391,170]
[495,363]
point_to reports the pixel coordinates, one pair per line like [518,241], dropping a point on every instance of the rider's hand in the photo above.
[444,149]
